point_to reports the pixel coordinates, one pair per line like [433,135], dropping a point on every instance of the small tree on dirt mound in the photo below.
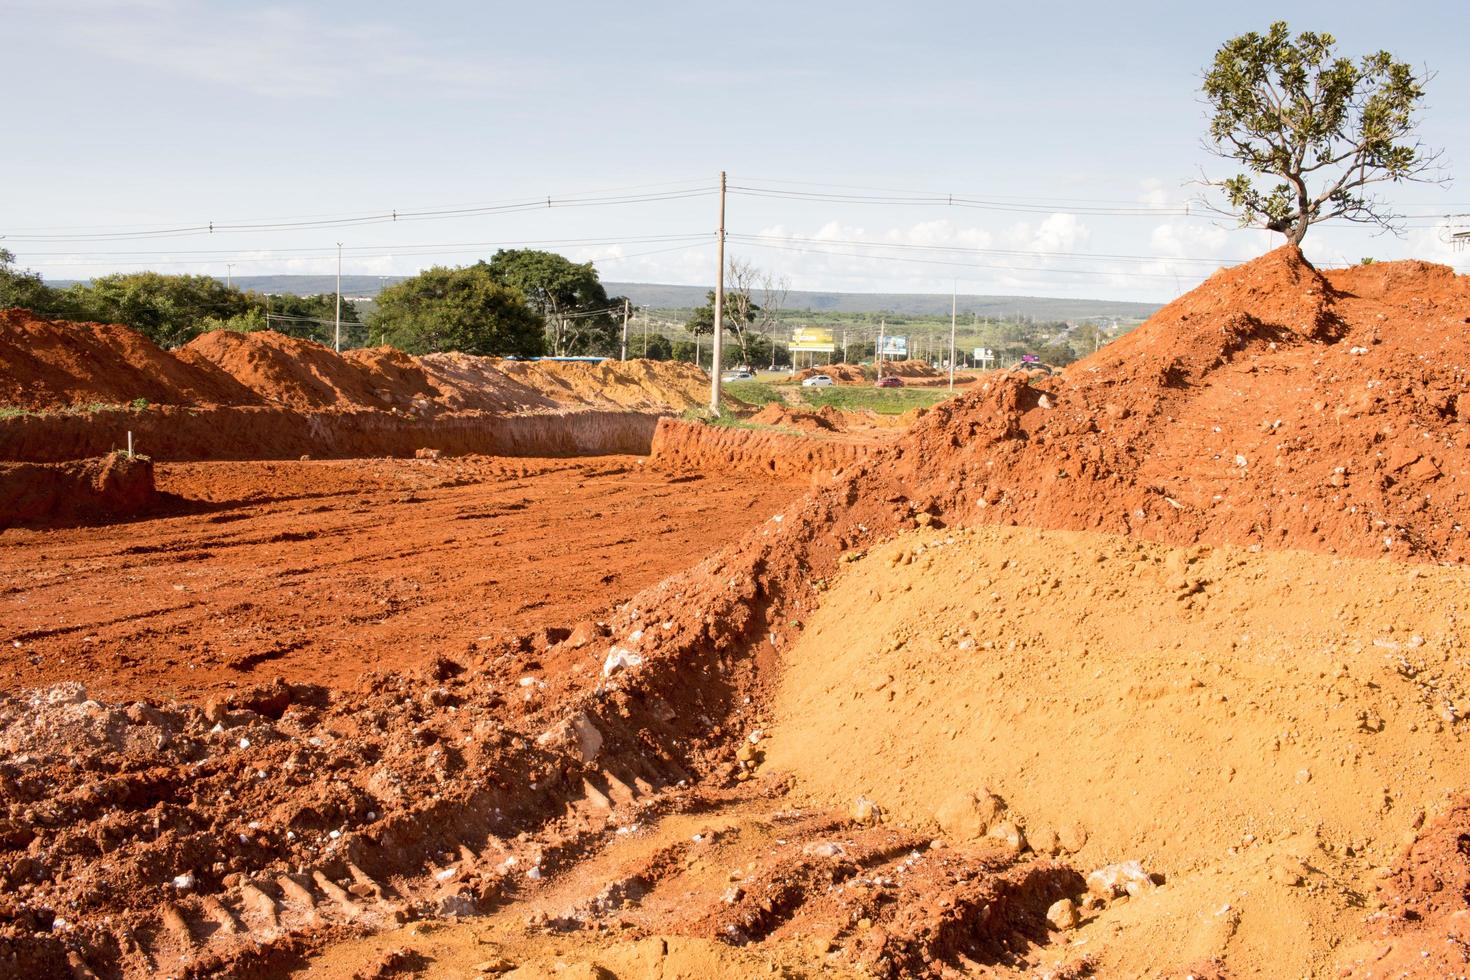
[1326,126]
[464,309]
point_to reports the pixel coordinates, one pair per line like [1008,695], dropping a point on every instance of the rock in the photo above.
[746,752]
[494,966]
[1044,841]
[1009,834]
[968,815]
[1072,838]
[865,812]
[426,454]
[1124,878]
[923,520]
[214,711]
[1062,915]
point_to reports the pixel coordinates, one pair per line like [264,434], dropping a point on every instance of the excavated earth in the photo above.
[1150,668]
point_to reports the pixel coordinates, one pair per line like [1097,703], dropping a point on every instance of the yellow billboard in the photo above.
[814,340]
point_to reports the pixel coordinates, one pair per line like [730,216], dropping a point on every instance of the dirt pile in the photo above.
[303,374]
[57,363]
[1273,405]
[778,415]
[1309,709]
[843,374]
[109,488]
[47,364]
[466,382]
[909,369]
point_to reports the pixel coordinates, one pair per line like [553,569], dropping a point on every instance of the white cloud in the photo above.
[271,50]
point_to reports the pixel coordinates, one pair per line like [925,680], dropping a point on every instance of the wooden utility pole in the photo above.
[878,350]
[624,355]
[714,373]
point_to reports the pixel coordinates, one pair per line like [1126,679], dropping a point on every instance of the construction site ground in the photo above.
[323,572]
[1154,667]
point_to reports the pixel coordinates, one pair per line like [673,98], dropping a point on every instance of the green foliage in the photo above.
[752,392]
[170,310]
[462,309]
[139,404]
[884,401]
[308,317]
[658,348]
[569,296]
[1323,126]
[21,287]
[701,320]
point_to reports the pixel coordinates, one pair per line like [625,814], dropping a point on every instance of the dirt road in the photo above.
[323,571]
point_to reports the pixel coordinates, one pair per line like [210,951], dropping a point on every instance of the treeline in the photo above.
[522,302]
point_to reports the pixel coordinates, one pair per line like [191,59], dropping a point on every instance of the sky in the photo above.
[1070,132]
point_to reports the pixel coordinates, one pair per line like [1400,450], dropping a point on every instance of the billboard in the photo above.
[813,340]
[894,347]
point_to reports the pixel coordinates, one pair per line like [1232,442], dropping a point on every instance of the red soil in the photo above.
[323,572]
[1272,405]
[51,363]
[113,486]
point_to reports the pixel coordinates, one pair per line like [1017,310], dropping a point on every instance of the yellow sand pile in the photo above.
[1261,729]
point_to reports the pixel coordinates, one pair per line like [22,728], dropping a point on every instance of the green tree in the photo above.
[170,310]
[22,287]
[311,317]
[1324,127]
[461,309]
[568,295]
[739,314]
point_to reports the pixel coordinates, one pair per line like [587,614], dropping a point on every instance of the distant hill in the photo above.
[669,297]
[914,304]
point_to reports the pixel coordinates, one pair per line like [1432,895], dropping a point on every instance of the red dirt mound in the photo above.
[843,374]
[909,369]
[56,363]
[89,489]
[1266,407]
[290,371]
[395,377]
[824,419]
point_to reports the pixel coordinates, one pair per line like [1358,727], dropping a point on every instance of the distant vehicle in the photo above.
[818,381]
[892,381]
[1031,360]
[738,375]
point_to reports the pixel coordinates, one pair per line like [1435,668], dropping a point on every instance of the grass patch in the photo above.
[884,401]
[755,393]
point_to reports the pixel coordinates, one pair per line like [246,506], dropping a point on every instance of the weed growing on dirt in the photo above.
[756,393]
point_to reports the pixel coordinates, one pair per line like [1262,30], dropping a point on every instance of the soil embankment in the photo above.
[698,446]
[192,434]
[111,487]
[75,390]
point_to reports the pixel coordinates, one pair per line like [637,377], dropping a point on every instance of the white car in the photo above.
[818,381]
[738,375]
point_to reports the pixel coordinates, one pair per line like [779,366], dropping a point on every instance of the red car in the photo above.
[892,381]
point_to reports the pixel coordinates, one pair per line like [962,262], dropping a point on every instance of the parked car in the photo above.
[739,374]
[892,381]
[818,381]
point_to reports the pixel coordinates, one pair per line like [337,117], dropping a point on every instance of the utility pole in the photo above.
[624,355]
[229,274]
[338,341]
[714,374]
[878,350]
[954,299]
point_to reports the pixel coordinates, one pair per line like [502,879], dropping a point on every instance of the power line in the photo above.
[918,246]
[382,217]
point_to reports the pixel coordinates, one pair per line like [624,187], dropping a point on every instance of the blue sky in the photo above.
[143,114]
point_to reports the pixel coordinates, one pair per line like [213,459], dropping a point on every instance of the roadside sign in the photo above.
[813,340]
[895,346]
